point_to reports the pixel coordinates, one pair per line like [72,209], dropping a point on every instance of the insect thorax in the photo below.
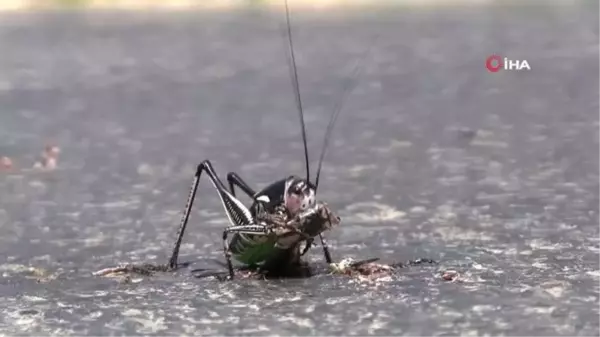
[289,227]
[269,198]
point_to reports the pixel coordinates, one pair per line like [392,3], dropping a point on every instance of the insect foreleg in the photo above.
[325,249]
[326,253]
[237,213]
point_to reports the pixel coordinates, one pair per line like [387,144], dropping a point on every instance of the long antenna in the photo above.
[294,75]
[348,86]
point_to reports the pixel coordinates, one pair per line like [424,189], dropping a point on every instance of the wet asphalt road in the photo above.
[494,175]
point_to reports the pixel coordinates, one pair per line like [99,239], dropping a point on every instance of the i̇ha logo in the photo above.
[496,63]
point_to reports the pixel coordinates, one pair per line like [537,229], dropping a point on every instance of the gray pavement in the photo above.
[494,175]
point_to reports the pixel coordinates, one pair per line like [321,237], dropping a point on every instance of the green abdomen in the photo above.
[252,249]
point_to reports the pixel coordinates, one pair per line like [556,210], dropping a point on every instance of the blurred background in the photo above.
[106,107]
[194,4]
[198,4]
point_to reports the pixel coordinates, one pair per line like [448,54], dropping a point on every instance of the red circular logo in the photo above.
[493,63]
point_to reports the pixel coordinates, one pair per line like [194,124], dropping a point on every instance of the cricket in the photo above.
[284,215]
[270,237]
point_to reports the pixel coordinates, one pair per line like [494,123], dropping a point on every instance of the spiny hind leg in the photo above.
[207,167]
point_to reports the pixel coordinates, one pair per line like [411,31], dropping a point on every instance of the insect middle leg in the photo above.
[235,180]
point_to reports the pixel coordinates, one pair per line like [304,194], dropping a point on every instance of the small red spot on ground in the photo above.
[6,163]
